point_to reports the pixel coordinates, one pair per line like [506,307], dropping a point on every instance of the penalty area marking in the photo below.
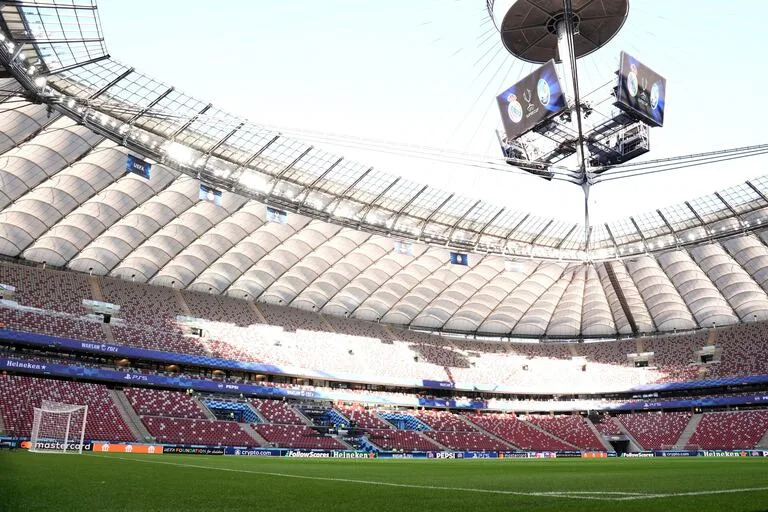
[578,495]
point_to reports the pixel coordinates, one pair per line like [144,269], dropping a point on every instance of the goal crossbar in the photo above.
[58,428]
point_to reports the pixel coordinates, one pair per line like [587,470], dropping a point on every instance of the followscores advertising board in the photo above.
[530,101]
[641,91]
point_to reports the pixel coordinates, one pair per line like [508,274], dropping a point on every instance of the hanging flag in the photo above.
[401,247]
[458,258]
[210,194]
[275,215]
[138,166]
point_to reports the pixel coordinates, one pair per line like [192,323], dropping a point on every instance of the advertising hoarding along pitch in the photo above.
[641,92]
[530,101]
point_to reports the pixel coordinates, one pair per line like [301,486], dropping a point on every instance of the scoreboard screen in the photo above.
[641,91]
[530,101]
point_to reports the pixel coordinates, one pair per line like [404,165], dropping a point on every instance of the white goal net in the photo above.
[58,428]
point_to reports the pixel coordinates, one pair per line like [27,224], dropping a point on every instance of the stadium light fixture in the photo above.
[40,81]
[175,151]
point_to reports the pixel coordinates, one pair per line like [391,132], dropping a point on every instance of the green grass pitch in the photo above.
[117,482]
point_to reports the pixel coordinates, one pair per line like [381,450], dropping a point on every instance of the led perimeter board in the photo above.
[641,91]
[530,101]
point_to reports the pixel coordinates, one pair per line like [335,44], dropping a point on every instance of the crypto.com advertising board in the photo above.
[530,101]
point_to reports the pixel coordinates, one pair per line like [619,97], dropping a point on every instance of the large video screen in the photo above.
[530,101]
[641,91]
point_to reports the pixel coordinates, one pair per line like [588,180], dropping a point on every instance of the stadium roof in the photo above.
[71,115]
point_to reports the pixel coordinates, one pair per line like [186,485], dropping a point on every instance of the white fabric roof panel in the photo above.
[703,299]
[752,254]
[66,200]
[740,290]
[666,306]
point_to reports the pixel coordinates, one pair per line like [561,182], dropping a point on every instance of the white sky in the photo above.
[426,72]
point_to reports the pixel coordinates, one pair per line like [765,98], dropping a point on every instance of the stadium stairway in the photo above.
[389,334]
[2,425]
[252,306]
[203,408]
[688,432]
[403,421]
[367,445]
[431,440]
[182,303]
[255,411]
[248,429]
[93,284]
[550,434]
[598,435]
[344,443]
[307,420]
[634,446]
[326,323]
[478,428]
[129,416]
[762,444]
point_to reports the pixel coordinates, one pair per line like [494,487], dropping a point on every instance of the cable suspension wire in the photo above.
[683,165]
[562,173]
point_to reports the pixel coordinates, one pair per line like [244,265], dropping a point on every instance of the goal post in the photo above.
[58,428]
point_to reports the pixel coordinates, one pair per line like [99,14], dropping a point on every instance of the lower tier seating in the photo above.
[297,436]
[573,429]
[400,440]
[519,432]
[654,430]
[157,402]
[730,430]
[19,395]
[193,431]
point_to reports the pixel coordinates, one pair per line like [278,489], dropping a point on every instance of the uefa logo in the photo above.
[514,109]
[542,88]
[655,96]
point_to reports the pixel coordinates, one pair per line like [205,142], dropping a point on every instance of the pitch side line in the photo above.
[578,495]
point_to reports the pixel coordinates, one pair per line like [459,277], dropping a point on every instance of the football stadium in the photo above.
[504,299]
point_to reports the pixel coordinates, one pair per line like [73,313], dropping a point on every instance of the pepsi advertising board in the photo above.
[641,91]
[530,101]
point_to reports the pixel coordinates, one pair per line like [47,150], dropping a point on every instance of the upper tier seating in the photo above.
[291,319]
[654,430]
[303,339]
[53,325]
[195,431]
[157,402]
[518,432]
[47,289]
[354,327]
[675,355]
[156,339]
[219,308]
[743,351]
[614,352]
[730,430]
[570,428]
[297,436]
[142,304]
[19,395]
